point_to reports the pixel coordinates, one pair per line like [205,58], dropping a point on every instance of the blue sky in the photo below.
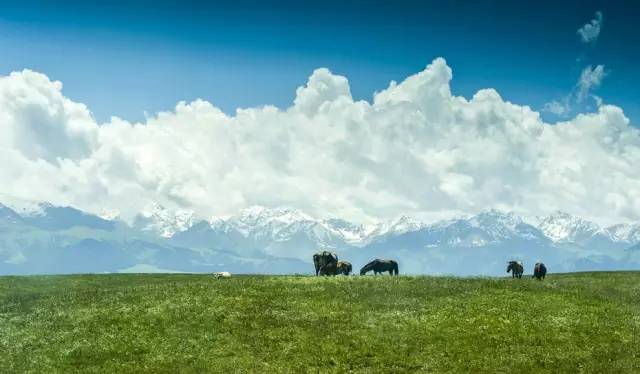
[127,58]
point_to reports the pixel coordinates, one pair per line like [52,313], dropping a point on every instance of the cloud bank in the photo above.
[415,149]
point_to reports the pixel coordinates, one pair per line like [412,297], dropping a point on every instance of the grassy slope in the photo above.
[588,322]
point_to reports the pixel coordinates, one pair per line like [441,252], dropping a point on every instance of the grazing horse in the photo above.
[539,271]
[516,269]
[325,263]
[344,267]
[379,266]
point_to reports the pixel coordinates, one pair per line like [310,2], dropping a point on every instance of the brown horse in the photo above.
[539,271]
[325,263]
[379,266]
[344,267]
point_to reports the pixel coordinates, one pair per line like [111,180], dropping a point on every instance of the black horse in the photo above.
[325,263]
[539,271]
[379,266]
[516,269]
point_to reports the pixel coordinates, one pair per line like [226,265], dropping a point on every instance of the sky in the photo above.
[365,110]
[250,53]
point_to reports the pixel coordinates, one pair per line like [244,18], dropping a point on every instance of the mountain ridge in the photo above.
[271,235]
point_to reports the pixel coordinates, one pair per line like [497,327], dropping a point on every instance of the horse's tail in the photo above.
[395,268]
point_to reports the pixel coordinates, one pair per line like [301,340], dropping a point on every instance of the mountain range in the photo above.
[42,238]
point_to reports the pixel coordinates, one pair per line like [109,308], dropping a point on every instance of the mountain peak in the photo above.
[493,215]
[164,221]
[258,211]
[561,226]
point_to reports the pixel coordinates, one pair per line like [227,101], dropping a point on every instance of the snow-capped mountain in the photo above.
[262,222]
[282,224]
[260,239]
[164,222]
[398,226]
[51,217]
[351,233]
[564,227]
[263,227]
[625,232]
[281,231]
[487,228]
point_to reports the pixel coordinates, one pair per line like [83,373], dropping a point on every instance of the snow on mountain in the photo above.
[398,226]
[564,227]
[264,226]
[625,232]
[260,239]
[486,228]
[351,233]
[165,222]
[261,221]
[23,207]
[500,225]
[282,224]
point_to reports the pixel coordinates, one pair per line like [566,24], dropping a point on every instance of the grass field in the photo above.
[587,322]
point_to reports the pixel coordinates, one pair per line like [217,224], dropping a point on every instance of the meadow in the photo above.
[583,322]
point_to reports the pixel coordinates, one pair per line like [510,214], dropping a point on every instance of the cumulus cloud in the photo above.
[39,122]
[589,32]
[415,149]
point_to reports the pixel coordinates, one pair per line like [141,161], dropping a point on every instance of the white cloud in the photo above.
[589,32]
[322,87]
[558,107]
[416,149]
[590,78]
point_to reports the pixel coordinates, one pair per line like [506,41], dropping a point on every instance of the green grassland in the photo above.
[587,322]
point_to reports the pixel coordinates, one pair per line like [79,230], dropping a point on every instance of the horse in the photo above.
[344,267]
[539,271]
[516,269]
[222,274]
[379,266]
[325,263]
